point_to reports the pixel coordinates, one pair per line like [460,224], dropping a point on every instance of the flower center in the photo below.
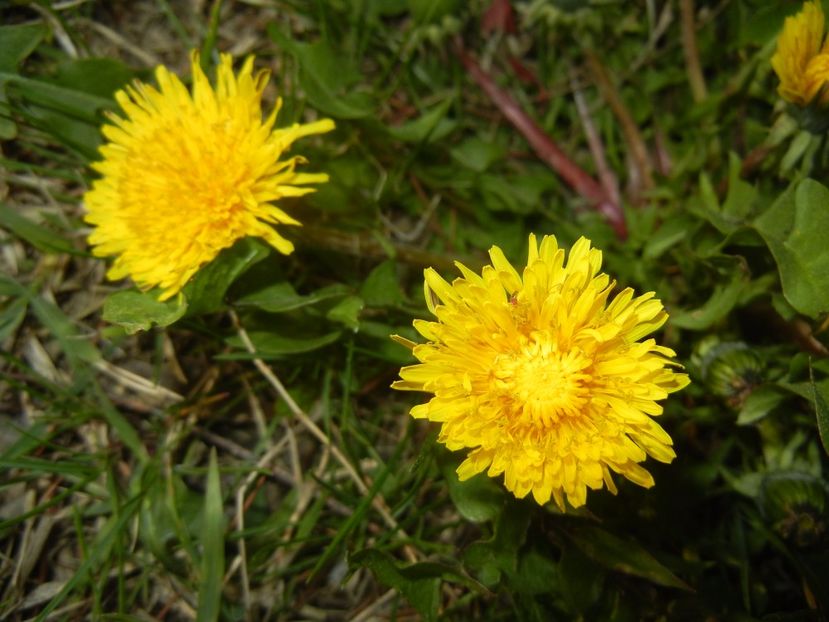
[543,383]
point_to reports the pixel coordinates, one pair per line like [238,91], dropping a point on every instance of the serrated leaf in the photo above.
[347,312]
[623,556]
[794,228]
[801,142]
[477,154]
[721,302]
[270,345]
[135,311]
[100,77]
[206,291]
[669,234]
[430,126]
[414,581]
[581,579]
[759,404]
[741,195]
[282,297]
[382,287]
[517,193]
[478,499]
[325,76]
[499,555]
[213,547]
[19,41]
[421,591]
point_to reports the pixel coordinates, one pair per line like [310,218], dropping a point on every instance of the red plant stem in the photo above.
[545,148]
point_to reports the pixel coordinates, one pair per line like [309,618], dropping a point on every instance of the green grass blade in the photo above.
[213,548]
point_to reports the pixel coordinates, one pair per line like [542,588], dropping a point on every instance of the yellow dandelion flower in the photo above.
[186,174]
[801,60]
[540,377]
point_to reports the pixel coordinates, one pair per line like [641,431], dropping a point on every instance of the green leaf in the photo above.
[420,588]
[581,579]
[325,75]
[414,581]
[18,42]
[42,238]
[499,555]
[759,404]
[478,499]
[797,148]
[382,287]
[794,228]
[516,193]
[282,297]
[160,528]
[213,547]
[820,397]
[622,556]
[135,311]
[270,345]
[100,77]
[206,291]
[428,127]
[741,196]
[347,312]
[670,233]
[721,302]
[477,154]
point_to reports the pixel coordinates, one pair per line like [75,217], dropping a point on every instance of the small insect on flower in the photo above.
[801,60]
[186,174]
[540,377]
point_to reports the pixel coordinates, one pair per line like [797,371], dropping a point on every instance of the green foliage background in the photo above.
[152,469]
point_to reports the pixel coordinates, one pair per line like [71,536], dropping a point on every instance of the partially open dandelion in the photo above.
[540,377]
[802,58]
[186,174]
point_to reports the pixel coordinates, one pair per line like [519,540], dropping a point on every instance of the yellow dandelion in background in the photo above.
[186,174]
[802,58]
[540,377]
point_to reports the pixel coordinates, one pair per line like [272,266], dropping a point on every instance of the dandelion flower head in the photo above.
[801,60]
[540,377]
[186,174]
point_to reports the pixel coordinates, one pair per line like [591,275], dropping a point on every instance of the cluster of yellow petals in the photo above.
[186,174]
[801,60]
[542,379]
